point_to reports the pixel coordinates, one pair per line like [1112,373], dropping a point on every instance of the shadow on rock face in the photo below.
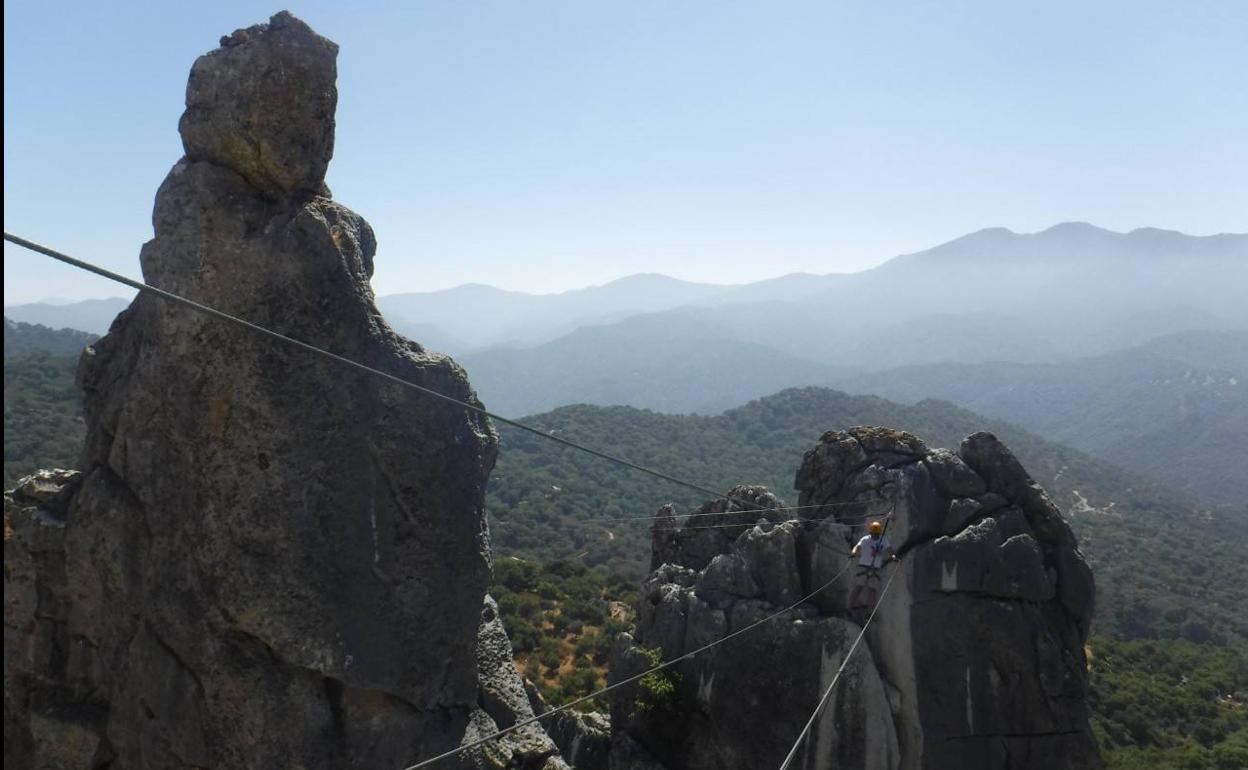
[974,659]
[269,560]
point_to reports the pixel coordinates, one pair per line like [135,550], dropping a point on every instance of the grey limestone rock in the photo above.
[735,705]
[824,560]
[713,527]
[1007,477]
[504,699]
[975,656]
[270,560]
[769,553]
[952,477]
[41,664]
[263,105]
[584,739]
[728,574]
[627,754]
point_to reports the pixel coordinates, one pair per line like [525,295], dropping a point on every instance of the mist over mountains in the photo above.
[1101,340]
[1073,289]
[1175,408]
[1070,290]
[90,315]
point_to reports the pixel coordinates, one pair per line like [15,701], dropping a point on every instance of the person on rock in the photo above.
[873,550]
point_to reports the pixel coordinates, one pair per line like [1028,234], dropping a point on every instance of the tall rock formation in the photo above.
[974,660]
[270,560]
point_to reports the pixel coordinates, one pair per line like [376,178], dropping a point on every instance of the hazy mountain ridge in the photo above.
[481,316]
[90,315]
[1073,289]
[1175,409]
[1068,292]
[1082,288]
[645,361]
[950,322]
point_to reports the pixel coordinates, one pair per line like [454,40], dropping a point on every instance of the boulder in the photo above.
[263,106]
[769,553]
[952,477]
[584,738]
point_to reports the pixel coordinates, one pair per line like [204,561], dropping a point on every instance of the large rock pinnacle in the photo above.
[270,560]
[974,660]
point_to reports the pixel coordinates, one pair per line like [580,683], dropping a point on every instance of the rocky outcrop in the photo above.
[269,560]
[584,738]
[505,701]
[974,660]
[35,614]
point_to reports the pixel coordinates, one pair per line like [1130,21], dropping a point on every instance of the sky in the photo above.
[542,146]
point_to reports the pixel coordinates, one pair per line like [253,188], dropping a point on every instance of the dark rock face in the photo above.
[975,658]
[270,560]
[737,705]
[35,613]
[584,739]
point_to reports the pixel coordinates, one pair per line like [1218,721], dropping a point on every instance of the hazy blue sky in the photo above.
[550,145]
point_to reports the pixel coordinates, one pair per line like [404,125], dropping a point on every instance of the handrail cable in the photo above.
[801,737]
[629,680]
[223,316]
[228,318]
[761,509]
[850,521]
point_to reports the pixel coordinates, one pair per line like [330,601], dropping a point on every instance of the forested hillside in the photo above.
[1174,409]
[544,501]
[43,427]
[22,338]
[1170,704]
[549,503]
[1165,692]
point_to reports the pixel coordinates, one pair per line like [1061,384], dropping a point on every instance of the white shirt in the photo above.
[871,551]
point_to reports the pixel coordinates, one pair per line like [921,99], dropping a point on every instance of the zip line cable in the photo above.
[788,760]
[775,509]
[847,520]
[850,521]
[582,551]
[235,320]
[886,518]
[223,316]
[629,680]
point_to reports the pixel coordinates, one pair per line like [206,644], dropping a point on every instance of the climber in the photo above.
[872,551]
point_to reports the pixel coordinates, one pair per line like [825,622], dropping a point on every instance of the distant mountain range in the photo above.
[647,361]
[474,316]
[90,315]
[1101,340]
[1187,391]
[1071,290]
